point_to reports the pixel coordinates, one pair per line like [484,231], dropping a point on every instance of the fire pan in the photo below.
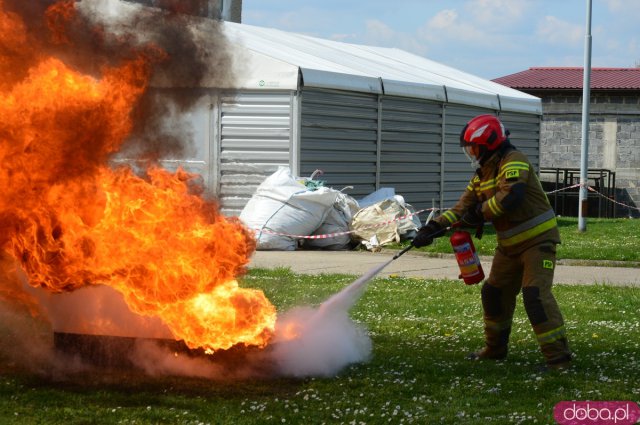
[115,352]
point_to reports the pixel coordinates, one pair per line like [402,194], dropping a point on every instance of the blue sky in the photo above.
[488,38]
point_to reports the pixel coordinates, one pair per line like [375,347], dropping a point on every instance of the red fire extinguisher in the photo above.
[470,268]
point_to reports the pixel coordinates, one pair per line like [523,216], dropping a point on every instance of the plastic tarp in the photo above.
[377,196]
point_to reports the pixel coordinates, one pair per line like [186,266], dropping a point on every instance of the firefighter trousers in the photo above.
[531,272]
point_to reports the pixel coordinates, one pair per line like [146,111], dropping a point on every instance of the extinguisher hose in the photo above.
[433,235]
[395,257]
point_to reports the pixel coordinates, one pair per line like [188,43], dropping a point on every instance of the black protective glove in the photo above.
[474,218]
[427,233]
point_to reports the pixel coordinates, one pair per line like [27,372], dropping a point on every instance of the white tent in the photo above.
[369,117]
[277,59]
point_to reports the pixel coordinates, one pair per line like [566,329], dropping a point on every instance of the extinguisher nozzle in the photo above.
[395,257]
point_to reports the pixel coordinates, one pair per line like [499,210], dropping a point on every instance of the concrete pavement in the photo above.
[415,264]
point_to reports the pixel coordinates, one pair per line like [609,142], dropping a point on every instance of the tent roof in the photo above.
[274,59]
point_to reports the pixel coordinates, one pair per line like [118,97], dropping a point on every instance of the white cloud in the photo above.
[441,24]
[378,33]
[486,37]
[498,13]
[446,25]
[378,29]
[477,44]
[616,5]
[625,8]
[556,31]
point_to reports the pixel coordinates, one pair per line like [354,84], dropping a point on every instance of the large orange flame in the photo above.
[71,221]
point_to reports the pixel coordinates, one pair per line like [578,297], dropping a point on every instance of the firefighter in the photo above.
[506,191]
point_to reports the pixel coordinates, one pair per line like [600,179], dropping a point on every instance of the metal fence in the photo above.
[565,202]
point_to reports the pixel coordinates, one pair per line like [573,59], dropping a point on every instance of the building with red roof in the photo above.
[614,122]
[544,80]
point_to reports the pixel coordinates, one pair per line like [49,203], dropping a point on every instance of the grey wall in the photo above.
[614,139]
[228,10]
[252,137]
[370,141]
[235,11]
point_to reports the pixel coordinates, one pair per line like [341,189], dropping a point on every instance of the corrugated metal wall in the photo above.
[253,137]
[525,134]
[456,168]
[411,149]
[374,141]
[363,140]
[339,135]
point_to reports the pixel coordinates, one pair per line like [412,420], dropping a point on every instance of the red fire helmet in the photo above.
[484,130]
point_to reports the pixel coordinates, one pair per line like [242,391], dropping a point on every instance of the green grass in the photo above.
[421,331]
[604,240]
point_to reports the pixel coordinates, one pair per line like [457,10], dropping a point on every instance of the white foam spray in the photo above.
[160,361]
[322,341]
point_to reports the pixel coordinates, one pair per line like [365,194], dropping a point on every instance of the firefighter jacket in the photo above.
[510,196]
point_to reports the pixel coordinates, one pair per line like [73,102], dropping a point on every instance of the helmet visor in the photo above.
[469,153]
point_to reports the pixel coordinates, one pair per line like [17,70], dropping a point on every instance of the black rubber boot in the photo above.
[560,364]
[489,353]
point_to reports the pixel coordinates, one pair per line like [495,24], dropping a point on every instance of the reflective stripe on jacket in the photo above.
[528,229]
[518,225]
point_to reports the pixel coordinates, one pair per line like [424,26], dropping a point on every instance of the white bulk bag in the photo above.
[338,220]
[283,204]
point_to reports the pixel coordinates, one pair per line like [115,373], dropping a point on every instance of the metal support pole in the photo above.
[379,142]
[586,100]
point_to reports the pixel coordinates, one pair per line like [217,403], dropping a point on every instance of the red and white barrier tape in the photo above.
[324,236]
[384,223]
[564,188]
[590,189]
[331,235]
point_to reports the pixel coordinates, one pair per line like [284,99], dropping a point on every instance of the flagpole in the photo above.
[586,100]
